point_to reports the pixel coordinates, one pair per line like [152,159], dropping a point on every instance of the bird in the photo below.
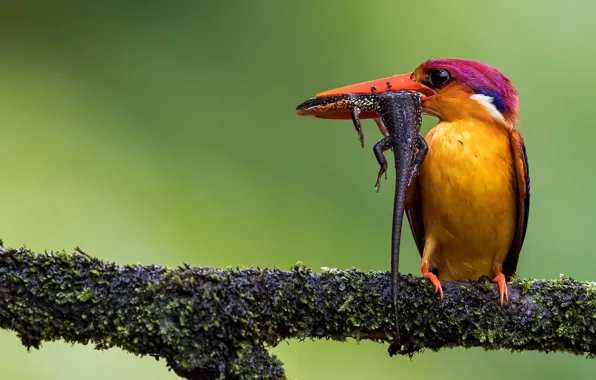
[468,207]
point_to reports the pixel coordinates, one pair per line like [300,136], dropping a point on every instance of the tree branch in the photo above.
[209,323]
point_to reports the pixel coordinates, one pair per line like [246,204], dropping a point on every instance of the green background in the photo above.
[165,132]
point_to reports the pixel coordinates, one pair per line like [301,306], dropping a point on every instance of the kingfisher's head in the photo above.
[453,89]
[465,88]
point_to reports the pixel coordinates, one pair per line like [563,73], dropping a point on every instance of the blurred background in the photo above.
[165,132]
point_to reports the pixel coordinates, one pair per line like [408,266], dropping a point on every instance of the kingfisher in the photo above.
[468,206]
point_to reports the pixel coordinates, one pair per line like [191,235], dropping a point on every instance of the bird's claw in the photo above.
[499,279]
[435,283]
[434,280]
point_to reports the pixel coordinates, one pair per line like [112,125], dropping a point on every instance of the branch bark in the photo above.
[209,323]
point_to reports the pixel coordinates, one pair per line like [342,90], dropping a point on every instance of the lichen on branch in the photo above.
[212,324]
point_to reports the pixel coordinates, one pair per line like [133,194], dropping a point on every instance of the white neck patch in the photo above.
[487,102]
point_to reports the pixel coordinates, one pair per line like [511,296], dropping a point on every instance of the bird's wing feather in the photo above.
[522,188]
[414,214]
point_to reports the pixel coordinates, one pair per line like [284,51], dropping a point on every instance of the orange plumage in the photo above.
[468,208]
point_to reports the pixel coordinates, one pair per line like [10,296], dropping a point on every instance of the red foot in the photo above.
[426,273]
[500,281]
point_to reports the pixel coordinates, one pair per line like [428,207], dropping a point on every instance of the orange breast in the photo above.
[468,198]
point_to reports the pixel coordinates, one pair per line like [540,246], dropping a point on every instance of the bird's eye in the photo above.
[438,78]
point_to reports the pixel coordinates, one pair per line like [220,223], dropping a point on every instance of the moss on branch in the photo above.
[210,323]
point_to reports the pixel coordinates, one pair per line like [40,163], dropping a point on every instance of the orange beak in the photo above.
[394,83]
[336,103]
